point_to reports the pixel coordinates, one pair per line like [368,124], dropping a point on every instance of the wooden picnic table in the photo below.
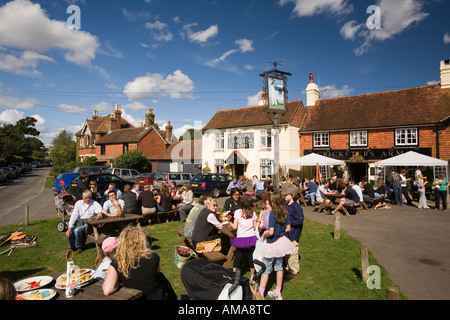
[94,291]
[332,201]
[228,231]
[110,226]
[301,196]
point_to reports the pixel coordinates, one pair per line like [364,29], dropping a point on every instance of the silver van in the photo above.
[124,173]
[180,178]
[92,169]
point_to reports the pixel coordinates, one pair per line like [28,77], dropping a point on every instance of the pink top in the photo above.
[245,226]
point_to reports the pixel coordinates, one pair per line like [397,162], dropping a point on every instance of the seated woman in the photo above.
[163,199]
[187,203]
[136,266]
[207,225]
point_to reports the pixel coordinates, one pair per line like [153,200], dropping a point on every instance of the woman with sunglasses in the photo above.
[207,225]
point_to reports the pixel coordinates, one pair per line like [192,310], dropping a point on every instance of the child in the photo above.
[277,244]
[105,257]
[245,241]
[7,290]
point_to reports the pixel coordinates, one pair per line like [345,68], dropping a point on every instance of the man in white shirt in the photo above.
[113,207]
[83,209]
[358,190]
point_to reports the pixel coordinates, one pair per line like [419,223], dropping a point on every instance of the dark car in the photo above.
[215,184]
[103,180]
[64,179]
[145,178]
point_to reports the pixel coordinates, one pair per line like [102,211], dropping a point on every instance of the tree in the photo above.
[63,153]
[191,134]
[133,159]
[14,139]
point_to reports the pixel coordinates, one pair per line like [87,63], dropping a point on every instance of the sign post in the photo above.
[276,98]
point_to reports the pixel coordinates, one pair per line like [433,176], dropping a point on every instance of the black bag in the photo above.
[205,280]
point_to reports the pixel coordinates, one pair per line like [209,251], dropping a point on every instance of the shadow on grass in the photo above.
[21,274]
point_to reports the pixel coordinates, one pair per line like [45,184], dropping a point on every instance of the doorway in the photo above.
[357,171]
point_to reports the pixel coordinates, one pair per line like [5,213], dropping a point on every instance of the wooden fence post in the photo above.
[392,293]
[27,214]
[337,226]
[364,263]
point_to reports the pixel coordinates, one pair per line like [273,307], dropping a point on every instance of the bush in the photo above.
[133,159]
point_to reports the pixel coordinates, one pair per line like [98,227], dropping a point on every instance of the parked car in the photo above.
[124,173]
[3,175]
[103,180]
[20,165]
[145,178]
[91,169]
[180,178]
[10,173]
[215,184]
[64,179]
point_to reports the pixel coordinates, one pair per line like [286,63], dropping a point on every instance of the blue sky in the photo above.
[187,59]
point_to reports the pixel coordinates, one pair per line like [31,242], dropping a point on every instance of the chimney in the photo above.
[263,100]
[149,118]
[312,92]
[169,132]
[118,116]
[445,74]
[95,115]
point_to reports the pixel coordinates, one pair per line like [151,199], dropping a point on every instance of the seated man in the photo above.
[350,198]
[367,189]
[113,207]
[147,202]
[130,199]
[112,186]
[232,185]
[323,191]
[83,209]
[259,188]
[311,189]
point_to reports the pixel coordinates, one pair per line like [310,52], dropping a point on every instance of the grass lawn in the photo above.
[329,269]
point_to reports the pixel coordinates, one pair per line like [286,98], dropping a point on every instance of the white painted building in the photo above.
[242,140]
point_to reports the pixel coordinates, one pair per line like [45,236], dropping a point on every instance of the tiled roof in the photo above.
[103,125]
[255,116]
[414,106]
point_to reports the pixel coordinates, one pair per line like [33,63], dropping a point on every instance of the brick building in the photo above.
[363,129]
[110,136]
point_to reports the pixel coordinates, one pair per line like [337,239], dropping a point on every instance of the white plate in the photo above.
[22,286]
[50,294]
[62,284]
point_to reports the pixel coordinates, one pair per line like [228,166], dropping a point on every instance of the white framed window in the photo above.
[406,137]
[358,138]
[219,141]
[266,168]
[266,139]
[321,139]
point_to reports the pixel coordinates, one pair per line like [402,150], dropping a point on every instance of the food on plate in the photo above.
[36,295]
[77,276]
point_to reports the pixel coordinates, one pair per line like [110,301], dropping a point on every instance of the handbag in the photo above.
[209,246]
[182,255]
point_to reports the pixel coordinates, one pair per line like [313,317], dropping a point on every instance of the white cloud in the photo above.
[306,8]
[7,102]
[446,38]
[26,64]
[201,36]
[11,116]
[396,17]
[254,100]
[135,106]
[245,45]
[154,86]
[330,91]
[25,25]
[102,107]
[71,109]
[162,32]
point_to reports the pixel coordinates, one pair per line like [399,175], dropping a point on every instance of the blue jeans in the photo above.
[160,209]
[76,237]
[397,190]
[312,196]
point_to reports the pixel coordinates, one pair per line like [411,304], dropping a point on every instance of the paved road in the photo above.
[412,244]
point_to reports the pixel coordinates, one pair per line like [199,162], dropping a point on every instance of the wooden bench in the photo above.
[215,257]
[172,213]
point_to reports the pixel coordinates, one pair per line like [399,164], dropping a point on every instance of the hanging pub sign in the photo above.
[275,89]
[276,94]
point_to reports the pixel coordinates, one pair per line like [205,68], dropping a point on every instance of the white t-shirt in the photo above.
[245,226]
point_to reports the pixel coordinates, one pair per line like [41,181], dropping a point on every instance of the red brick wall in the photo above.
[384,139]
[152,145]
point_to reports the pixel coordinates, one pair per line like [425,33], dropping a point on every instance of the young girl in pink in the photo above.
[245,241]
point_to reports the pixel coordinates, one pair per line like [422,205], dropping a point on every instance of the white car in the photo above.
[124,173]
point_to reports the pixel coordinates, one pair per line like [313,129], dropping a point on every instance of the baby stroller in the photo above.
[205,280]
[64,203]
